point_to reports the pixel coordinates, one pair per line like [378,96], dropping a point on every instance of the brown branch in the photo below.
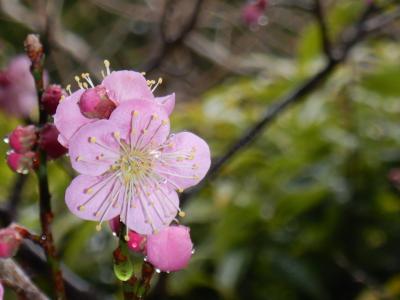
[167,44]
[351,37]
[319,15]
[11,275]
[35,52]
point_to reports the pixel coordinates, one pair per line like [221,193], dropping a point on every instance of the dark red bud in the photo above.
[51,98]
[48,142]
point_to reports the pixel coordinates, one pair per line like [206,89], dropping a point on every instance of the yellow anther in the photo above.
[180,158]
[92,139]
[180,190]
[98,227]
[68,88]
[62,98]
[135,113]
[154,116]
[107,63]
[143,73]
[182,214]
[164,122]
[81,207]
[88,191]
[126,237]
[117,134]
[78,158]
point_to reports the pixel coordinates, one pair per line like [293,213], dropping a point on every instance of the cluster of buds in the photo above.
[168,250]
[25,141]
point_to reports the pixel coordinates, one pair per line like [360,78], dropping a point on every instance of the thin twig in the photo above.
[11,275]
[167,44]
[35,52]
[319,15]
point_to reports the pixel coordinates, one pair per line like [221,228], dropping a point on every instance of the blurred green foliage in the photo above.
[306,212]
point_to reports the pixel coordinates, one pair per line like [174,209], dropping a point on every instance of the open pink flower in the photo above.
[130,166]
[170,249]
[119,86]
[17,88]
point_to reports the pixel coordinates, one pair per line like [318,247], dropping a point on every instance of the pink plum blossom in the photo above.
[118,87]
[10,240]
[170,249]
[131,167]
[17,88]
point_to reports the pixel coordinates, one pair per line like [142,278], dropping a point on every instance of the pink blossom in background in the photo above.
[170,249]
[10,240]
[1,291]
[118,87]
[253,12]
[130,166]
[17,88]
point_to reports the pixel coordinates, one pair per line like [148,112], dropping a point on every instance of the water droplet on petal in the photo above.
[158,271]
[145,258]
[6,140]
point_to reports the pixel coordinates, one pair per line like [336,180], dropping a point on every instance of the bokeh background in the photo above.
[310,210]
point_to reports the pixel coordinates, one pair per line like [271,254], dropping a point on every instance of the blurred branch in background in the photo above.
[350,37]
[14,277]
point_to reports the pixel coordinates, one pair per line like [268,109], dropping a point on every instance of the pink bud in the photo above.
[136,242]
[23,139]
[22,163]
[170,249]
[114,225]
[10,240]
[51,97]
[95,103]
[48,141]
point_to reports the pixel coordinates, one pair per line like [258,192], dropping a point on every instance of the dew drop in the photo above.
[145,258]
[168,272]
[43,237]
[6,140]
[158,271]
[193,251]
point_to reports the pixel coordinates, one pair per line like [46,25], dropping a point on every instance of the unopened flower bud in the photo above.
[10,240]
[170,249]
[95,103]
[51,97]
[48,141]
[34,48]
[22,162]
[23,139]
[136,241]
[115,225]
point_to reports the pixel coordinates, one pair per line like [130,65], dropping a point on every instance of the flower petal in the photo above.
[68,118]
[170,249]
[95,198]
[141,123]
[151,209]
[167,102]
[94,148]
[127,85]
[184,161]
